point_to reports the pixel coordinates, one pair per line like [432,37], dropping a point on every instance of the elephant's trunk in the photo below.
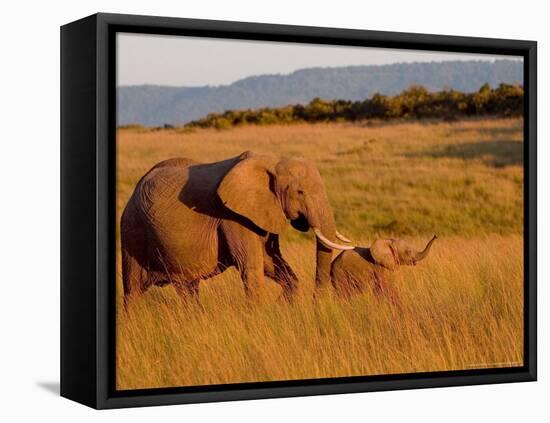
[424,253]
[321,220]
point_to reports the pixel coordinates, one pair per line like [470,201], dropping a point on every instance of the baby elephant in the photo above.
[354,270]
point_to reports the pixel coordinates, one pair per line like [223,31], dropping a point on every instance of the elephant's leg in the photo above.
[276,267]
[245,248]
[134,276]
[285,276]
[251,269]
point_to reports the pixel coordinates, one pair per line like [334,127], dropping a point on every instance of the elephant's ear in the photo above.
[382,252]
[247,190]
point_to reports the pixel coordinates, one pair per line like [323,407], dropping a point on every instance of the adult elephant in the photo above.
[188,221]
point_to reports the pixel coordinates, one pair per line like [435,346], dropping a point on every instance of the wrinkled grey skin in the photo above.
[187,221]
[355,270]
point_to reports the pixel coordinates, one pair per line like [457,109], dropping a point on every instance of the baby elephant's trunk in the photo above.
[424,253]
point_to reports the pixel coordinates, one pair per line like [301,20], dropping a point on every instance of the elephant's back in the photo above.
[175,226]
[179,162]
[347,259]
[158,190]
[352,263]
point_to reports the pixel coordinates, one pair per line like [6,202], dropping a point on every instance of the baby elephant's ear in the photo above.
[383,254]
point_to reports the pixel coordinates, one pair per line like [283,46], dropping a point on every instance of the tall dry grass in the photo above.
[461,308]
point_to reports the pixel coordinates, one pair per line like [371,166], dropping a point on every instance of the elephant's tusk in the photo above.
[342,237]
[328,243]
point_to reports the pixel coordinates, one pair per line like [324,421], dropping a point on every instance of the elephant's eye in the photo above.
[300,192]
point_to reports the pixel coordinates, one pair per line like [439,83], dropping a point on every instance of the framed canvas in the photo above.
[256,211]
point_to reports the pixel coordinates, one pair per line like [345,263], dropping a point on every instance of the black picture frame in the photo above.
[88,149]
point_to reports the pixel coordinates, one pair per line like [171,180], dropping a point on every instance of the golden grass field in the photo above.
[461,308]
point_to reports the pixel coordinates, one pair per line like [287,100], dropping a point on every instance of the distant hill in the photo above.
[156,105]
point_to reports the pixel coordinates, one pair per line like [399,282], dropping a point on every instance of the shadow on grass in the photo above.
[506,131]
[492,153]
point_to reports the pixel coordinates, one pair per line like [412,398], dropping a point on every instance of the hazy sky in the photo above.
[192,61]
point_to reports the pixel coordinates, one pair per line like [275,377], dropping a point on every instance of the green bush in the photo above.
[415,102]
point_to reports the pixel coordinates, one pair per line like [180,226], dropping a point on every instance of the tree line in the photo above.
[415,102]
